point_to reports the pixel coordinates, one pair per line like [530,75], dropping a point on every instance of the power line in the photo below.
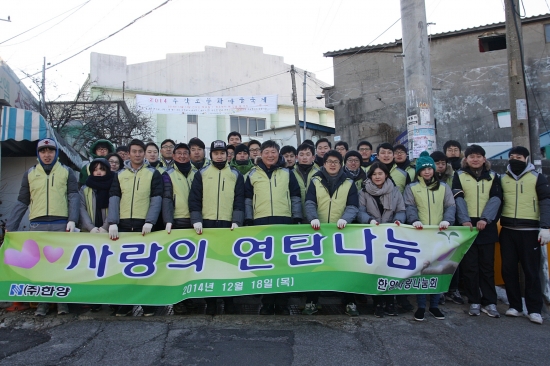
[57,16]
[249,82]
[103,39]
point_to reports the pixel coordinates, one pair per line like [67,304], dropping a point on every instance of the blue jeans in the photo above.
[421,301]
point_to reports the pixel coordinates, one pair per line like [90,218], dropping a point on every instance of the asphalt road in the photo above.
[97,338]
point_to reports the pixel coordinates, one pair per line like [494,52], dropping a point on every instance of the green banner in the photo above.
[162,269]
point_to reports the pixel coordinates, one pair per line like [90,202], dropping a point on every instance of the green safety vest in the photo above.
[271,196]
[48,191]
[304,185]
[218,192]
[331,208]
[430,204]
[476,193]
[181,186]
[520,197]
[136,192]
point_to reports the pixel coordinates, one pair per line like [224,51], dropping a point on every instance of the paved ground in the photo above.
[85,338]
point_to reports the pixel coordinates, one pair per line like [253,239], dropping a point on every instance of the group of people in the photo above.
[144,188]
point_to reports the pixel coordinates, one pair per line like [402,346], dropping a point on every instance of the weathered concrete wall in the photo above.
[469,87]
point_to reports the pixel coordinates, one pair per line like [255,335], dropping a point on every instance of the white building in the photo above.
[235,70]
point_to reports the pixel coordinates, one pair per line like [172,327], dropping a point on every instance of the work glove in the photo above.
[397,222]
[341,223]
[234,226]
[113,232]
[544,236]
[70,226]
[315,224]
[443,225]
[198,227]
[418,225]
[102,230]
[373,222]
[95,230]
[146,228]
[169,227]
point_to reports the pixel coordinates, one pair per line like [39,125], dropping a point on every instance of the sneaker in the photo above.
[267,309]
[436,313]
[512,312]
[124,310]
[474,309]
[351,309]
[442,299]
[390,309]
[42,309]
[379,311]
[491,310]
[282,310]
[419,314]
[405,304]
[535,318]
[62,309]
[310,309]
[455,297]
[149,310]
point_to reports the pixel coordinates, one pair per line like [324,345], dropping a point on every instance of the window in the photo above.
[547,33]
[492,42]
[247,125]
[192,126]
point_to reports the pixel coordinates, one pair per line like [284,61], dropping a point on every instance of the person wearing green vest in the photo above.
[380,202]
[453,151]
[525,232]
[428,202]
[152,156]
[242,161]
[384,154]
[342,147]
[217,201]
[254,149]
[230,153]
[198,158]
[331,198]
[98,149]
[445,173]
[272,196]
[135,201]
[401,156]
[289,154]
[352,167]
[304,171]
[478,196]
[365,149]
[50,191]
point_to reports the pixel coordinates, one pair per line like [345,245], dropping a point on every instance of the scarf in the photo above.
[243,166]
[385,193]
[184,168]
[455,162]
[101,186]
[319,161]
[154,163]
[352,173]
[199,164]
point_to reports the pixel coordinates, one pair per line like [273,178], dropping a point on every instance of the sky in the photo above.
[298,30]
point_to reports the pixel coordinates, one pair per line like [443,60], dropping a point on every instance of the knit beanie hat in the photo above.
[520,150]
[240,148]
[351,153]
[438,156]
[424,161]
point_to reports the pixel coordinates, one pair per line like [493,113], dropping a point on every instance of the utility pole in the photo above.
[43,90]
[295,102]
[524,131]
[418,82]
[305,123]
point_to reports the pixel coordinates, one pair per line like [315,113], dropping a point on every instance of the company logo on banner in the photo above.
[243,104]
[162,269]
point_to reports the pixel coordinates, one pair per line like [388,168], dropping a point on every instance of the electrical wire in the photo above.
[103,39]
[57,16]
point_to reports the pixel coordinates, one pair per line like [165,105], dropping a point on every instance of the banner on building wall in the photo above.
[242,104]
[162,269]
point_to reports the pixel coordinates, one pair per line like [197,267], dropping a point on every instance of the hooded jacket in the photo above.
[175,199]
[88,204]
[85,171]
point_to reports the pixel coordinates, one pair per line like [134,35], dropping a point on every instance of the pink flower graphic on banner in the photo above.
[52,254]
[27,258]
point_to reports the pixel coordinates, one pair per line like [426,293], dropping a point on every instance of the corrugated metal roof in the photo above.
[364,49]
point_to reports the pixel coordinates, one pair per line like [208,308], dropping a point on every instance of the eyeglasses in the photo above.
[254,150]
[356,161]
[114,162]
[181,153]
[333,162]
[364,149]
[399,152]
[102,149]
[168,147]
